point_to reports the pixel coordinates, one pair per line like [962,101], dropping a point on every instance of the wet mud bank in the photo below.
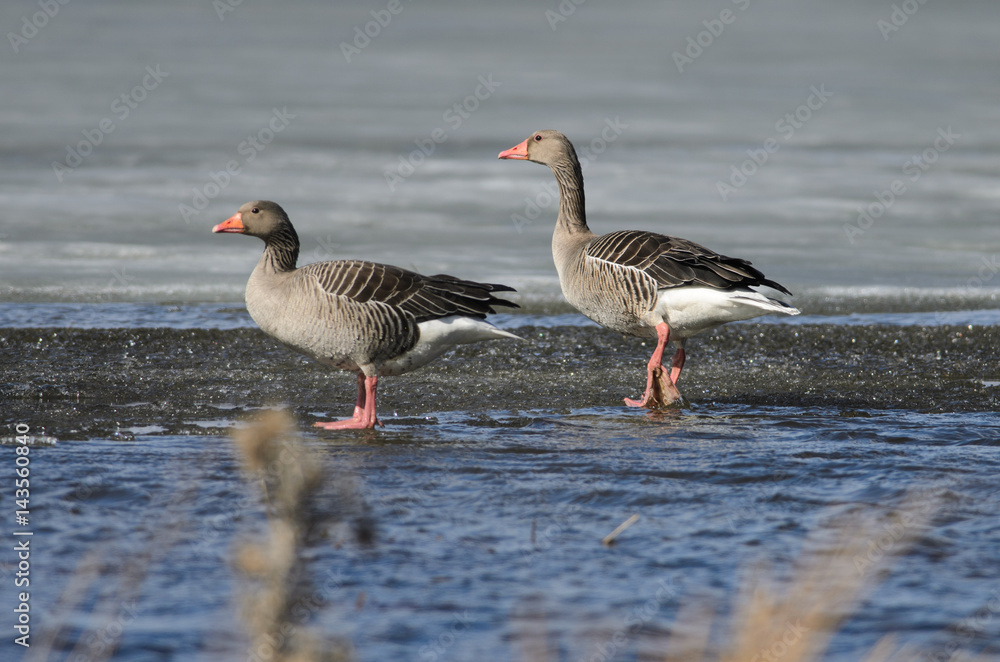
[112,383]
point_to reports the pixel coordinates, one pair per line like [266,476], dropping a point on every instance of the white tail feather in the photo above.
[691,310]
[440,335]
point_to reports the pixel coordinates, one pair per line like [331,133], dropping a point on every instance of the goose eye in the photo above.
[254,211]
[538,137]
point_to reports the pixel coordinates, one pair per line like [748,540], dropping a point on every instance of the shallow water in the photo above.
[484,529]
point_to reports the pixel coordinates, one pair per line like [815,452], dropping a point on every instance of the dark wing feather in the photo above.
[425,297]
[676,262]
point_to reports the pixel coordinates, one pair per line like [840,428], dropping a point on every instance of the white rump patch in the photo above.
[440,335]
[691,310]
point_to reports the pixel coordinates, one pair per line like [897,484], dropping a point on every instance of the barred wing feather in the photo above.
[676,262]
[424,297]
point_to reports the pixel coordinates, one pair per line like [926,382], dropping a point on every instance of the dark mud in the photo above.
[111,383]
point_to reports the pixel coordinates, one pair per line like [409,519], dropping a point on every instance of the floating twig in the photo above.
[610,538]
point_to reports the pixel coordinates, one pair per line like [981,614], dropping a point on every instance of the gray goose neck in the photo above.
[281,250]
[572,206]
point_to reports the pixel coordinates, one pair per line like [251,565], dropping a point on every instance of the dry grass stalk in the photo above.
[794,620]
[80,582]
[796,623]
[530,632]
[115,608]
[281,596]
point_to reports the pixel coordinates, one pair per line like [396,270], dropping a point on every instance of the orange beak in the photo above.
[232,224]
[518,152]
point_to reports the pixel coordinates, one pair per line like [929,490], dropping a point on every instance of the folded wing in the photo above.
[674,262]
[424,297]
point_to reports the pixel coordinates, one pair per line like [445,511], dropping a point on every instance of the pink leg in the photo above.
[364,409]
[359,405]
[660,390]
[369,418]
[677,365]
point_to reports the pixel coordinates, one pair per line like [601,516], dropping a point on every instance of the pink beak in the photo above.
[232,224]
[517,152]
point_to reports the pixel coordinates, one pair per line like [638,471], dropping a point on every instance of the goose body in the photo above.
[372,319]
[630,281]
[643,283]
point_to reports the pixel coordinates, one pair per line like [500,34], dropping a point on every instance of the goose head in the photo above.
[547,147]
[260,218]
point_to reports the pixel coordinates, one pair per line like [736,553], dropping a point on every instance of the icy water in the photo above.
[854,162]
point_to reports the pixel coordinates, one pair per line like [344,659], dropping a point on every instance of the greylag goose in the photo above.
[642,283]
[373,319]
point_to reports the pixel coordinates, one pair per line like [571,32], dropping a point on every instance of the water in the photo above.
[126,349]
[112,229]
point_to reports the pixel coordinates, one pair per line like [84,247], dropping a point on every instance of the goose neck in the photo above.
[572,204]
[281,251]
